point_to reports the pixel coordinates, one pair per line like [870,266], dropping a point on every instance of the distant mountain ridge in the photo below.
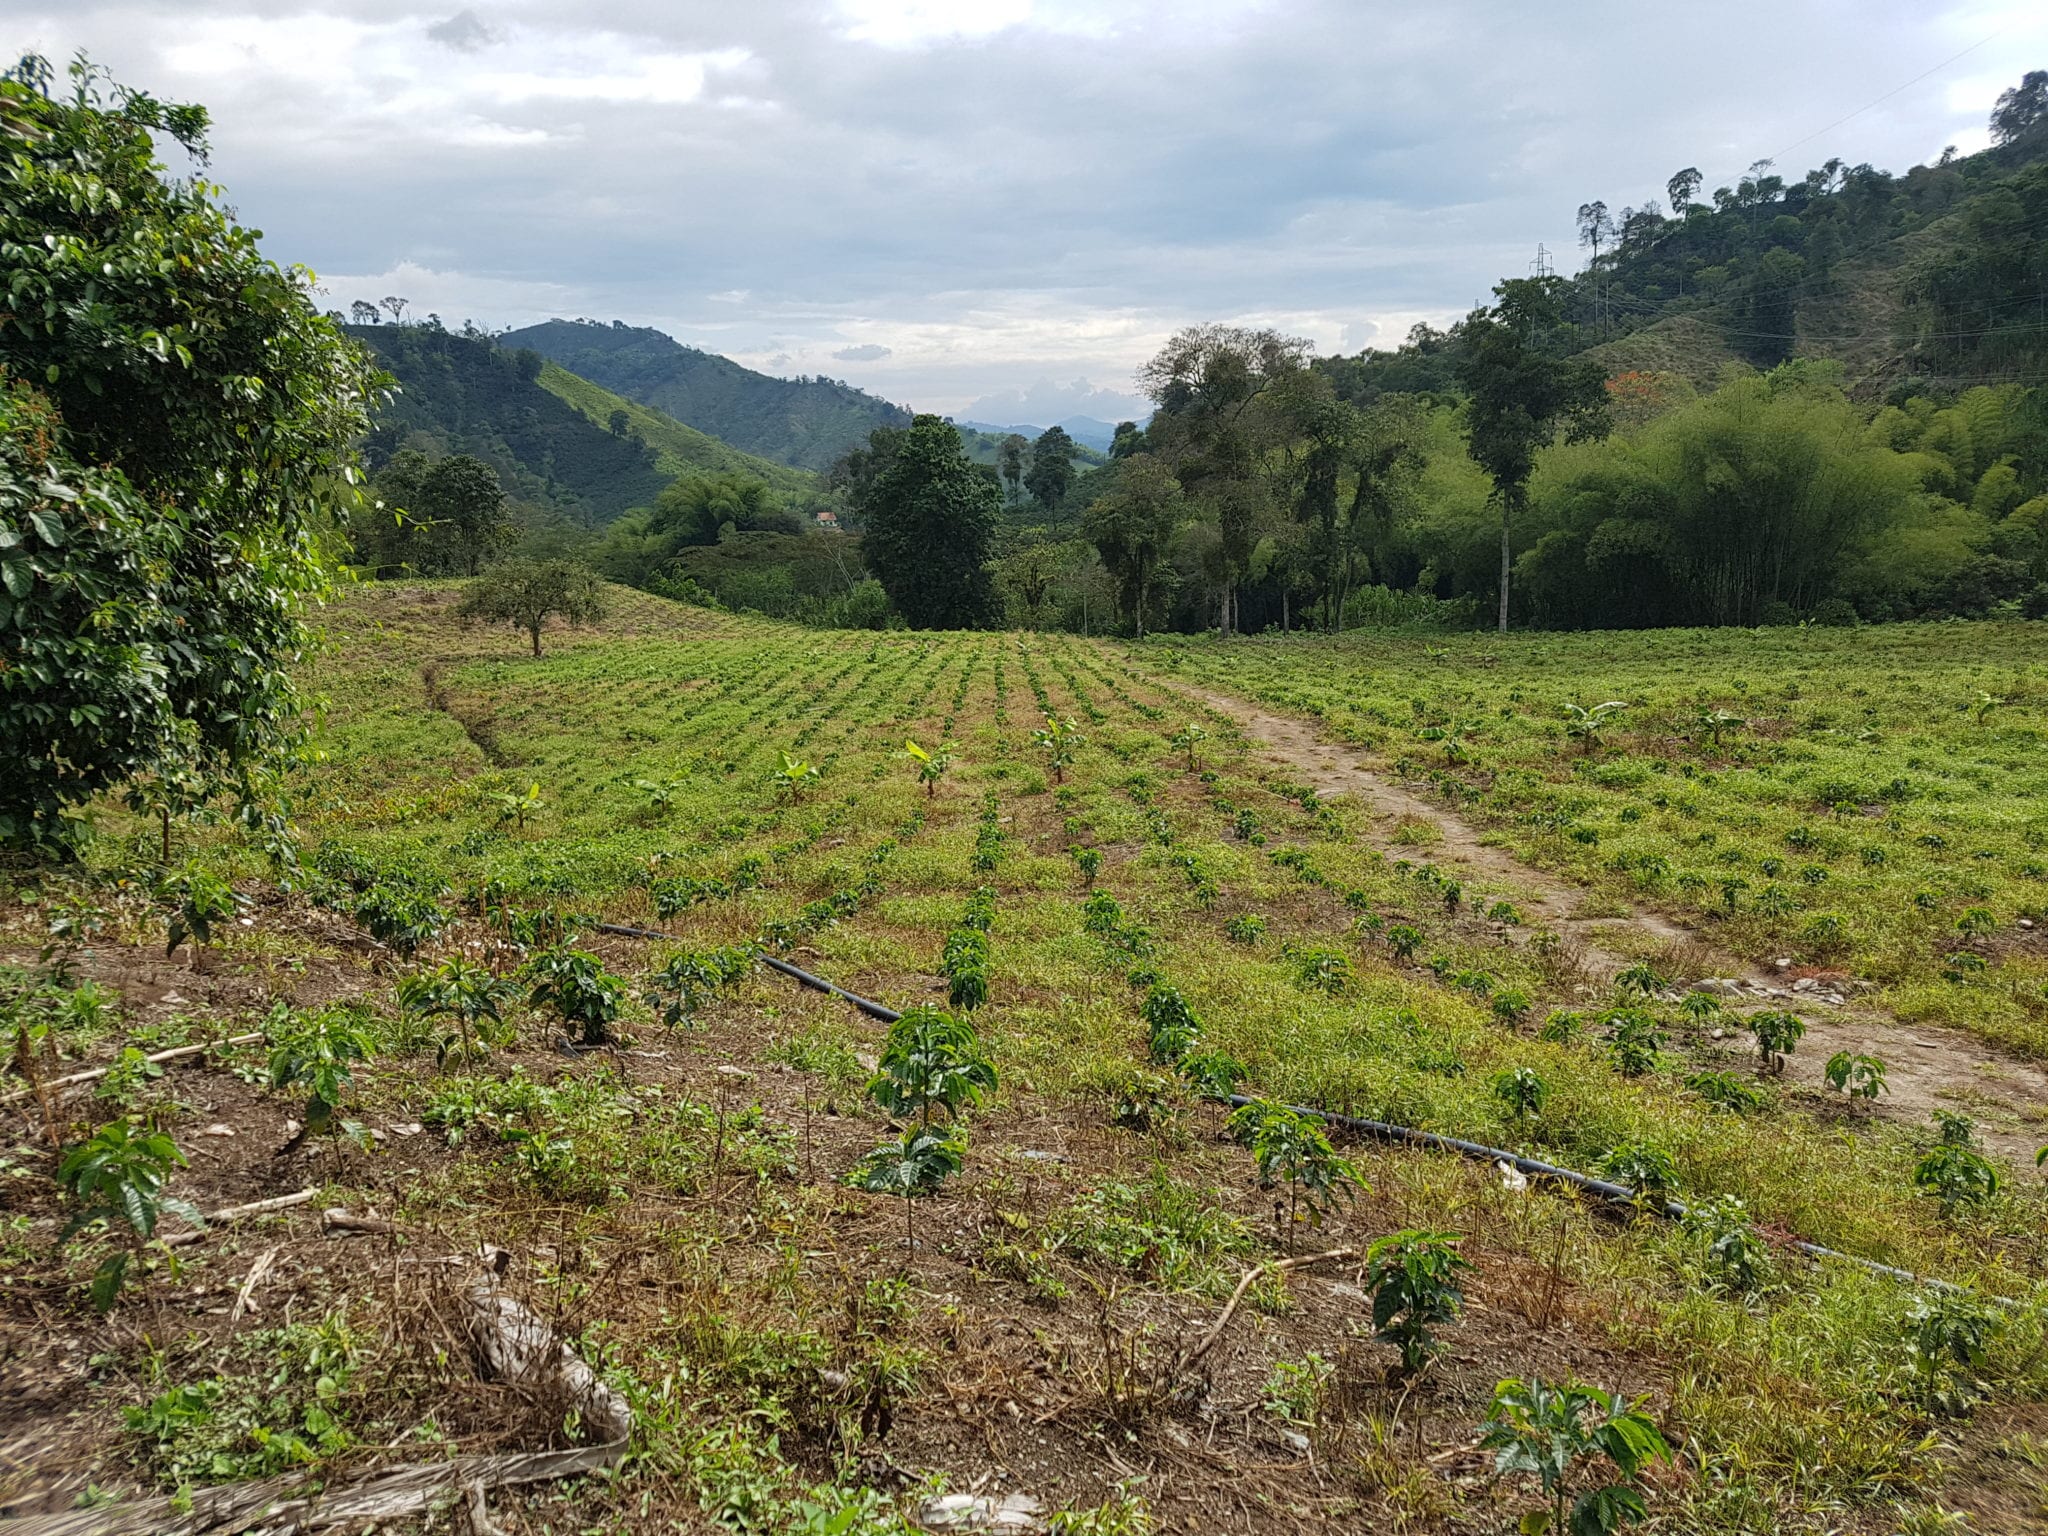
[1088,431]
[806,423]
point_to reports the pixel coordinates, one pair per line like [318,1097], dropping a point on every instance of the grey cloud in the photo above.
[1027,205]
[867,352]
[465,32]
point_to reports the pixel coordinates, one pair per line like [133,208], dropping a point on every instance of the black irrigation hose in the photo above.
[1381,1130]
[872,1009]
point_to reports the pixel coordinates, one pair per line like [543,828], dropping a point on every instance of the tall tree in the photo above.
[363,312]
[1213,385]
[1131,528]
[930,522]
[462,495]
[1010,462]
[1052,468]
[1595,226]
[1128,439]
[1682,187]
[188,434]
[1524,390]
[2022,111]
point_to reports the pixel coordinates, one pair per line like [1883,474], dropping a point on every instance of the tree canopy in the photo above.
[178,423]
[929,514]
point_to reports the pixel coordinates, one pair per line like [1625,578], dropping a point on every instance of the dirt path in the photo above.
[1928,1066]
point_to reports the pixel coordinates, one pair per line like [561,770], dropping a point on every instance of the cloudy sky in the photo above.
[999,208]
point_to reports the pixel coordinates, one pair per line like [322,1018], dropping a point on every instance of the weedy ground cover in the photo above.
[679,1147]
[1869,801]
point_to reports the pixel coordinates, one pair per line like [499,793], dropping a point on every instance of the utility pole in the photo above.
[1542,262]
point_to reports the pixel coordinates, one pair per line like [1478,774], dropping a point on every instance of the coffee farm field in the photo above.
[506,1046]
[1870,801]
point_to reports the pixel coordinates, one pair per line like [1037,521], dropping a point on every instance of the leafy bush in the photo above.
[1568,1437]
[119,1175]
[1413,1279]
[1292,1148]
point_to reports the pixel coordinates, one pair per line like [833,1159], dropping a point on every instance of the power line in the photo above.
[1888,95]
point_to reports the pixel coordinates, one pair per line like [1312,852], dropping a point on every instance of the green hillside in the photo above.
[460,394]
[807,423]
[678,450]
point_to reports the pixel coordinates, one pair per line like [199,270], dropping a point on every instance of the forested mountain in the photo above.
[1088,431]
[461,394]
[809,423]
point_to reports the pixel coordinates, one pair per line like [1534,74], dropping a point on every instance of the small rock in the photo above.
[1781,965]
[218,1128]
[1296,1439]
[1836,998]
[2026,922]
[1804,984]
[171,997]
[1717,1034]
[410,1128]
[1036,1156]
[248,922]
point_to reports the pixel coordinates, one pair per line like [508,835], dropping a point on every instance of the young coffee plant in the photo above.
[1948,1336]
[1523,1090]
[1246,928]
[690,979]
[1293,1149]
[1171,1027]
[1573,1439]
[1777,1032]
[317,1052]
[932,1064]
[931,766]
[1641,980]
[1730,1254]
[1726,1091]
[119,1176]
[1089,862]
[1413,1278]
[965,967]
[199,899]
[576,985]
[470,996]
[1648,1170]
[1953,1171]
[1633,1040]
[1860,1077]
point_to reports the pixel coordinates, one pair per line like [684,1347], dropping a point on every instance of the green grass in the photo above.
[1866,808]
[678,450]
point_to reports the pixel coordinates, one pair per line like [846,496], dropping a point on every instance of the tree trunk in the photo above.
[534,630]
[1504,519]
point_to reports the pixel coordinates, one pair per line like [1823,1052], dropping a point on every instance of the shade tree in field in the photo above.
[436,517]
[527,593]
[1132,526]
[929,516]
[1052,469]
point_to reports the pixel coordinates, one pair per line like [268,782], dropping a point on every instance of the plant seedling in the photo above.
[931,766]
[1293,1149]
[1568,1437]
[469,994]
[119,1175]
[1089,861]
[1776,1033]
[676,991]
[1648,1170]
[1860,1077]
[792,776]
[316,1052]
[1953,1170]
[931,1062]
[1587,726]
[1523,1090]
[1059,741]
[516,808]
[576,985]
[1731,1252]
[200,899]
[1189,739]
[1413,1278]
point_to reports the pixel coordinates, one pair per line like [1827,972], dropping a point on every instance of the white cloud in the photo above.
[1005,191]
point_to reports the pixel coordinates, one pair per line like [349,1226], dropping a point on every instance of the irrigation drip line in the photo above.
[1382,1130]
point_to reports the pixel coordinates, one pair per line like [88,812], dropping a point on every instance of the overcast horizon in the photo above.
[1003,207]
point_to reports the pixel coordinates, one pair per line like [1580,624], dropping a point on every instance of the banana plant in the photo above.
[516,808]
[931,766]
[1059,741]
[792,776]
[1189,739]
[1587,726]
[119,1176]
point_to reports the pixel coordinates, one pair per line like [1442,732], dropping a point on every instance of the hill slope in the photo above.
[807,423]
[678,450]
[462,395]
